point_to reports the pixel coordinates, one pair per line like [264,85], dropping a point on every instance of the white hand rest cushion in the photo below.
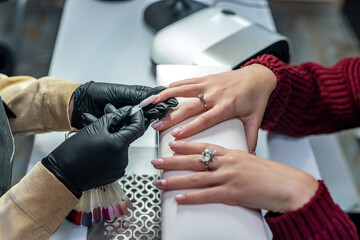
[204,221]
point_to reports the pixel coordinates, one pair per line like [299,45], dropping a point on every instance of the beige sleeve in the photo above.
[35,207]
[40,105]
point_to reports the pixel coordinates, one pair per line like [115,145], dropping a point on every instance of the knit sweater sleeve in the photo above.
[312,99]
[320,218]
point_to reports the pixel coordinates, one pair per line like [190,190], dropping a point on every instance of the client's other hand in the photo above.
[242,93]
[96,155]
[93,97]
[235,178]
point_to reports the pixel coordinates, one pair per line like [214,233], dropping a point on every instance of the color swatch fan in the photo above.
[102,203]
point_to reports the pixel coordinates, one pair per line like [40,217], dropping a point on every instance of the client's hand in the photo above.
[235,178]
[93,97]
[242,93]
[96,155]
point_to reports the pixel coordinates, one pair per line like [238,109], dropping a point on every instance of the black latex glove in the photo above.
[95,156]
[92,98]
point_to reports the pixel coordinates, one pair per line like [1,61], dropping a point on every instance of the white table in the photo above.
[109,42]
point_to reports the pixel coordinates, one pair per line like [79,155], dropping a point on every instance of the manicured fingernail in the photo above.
[157,124]
[157,162]
[160,183]
[167,86]
[156,98]
[174,145]
[177,131]
[179,197]
[147,101]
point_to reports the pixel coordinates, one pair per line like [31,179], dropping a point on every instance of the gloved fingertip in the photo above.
[118,118]
[125,109]
[151,111]
[88,118]
[150,118]
[137,118]
[159,89]
[161,107]
[109,108]
[172,102]
[135,129]
[122,113]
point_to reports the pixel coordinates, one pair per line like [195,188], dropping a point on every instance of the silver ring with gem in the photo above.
[208,155]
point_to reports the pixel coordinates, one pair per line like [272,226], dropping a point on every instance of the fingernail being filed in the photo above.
[156,98]
[147,101]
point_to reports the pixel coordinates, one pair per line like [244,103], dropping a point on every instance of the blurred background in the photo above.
[321,31]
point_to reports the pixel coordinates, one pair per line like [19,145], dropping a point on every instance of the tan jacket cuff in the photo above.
[56,104]
[43,197]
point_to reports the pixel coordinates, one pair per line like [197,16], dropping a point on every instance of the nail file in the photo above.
[144,103]
[135,109]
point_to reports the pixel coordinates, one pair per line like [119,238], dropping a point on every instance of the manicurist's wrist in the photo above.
[49,163]
[71,106]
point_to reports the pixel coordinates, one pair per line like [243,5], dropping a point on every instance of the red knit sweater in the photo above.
[311,99]
[320,218]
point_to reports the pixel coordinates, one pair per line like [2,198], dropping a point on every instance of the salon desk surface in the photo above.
[109,42]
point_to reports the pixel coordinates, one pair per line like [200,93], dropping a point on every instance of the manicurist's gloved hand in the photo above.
[92,97]
[96,155]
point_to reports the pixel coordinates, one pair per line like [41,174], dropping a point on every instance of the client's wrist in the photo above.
[303,188]
[268,77]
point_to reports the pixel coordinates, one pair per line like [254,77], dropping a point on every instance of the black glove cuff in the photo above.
[79,94]
[48,163]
